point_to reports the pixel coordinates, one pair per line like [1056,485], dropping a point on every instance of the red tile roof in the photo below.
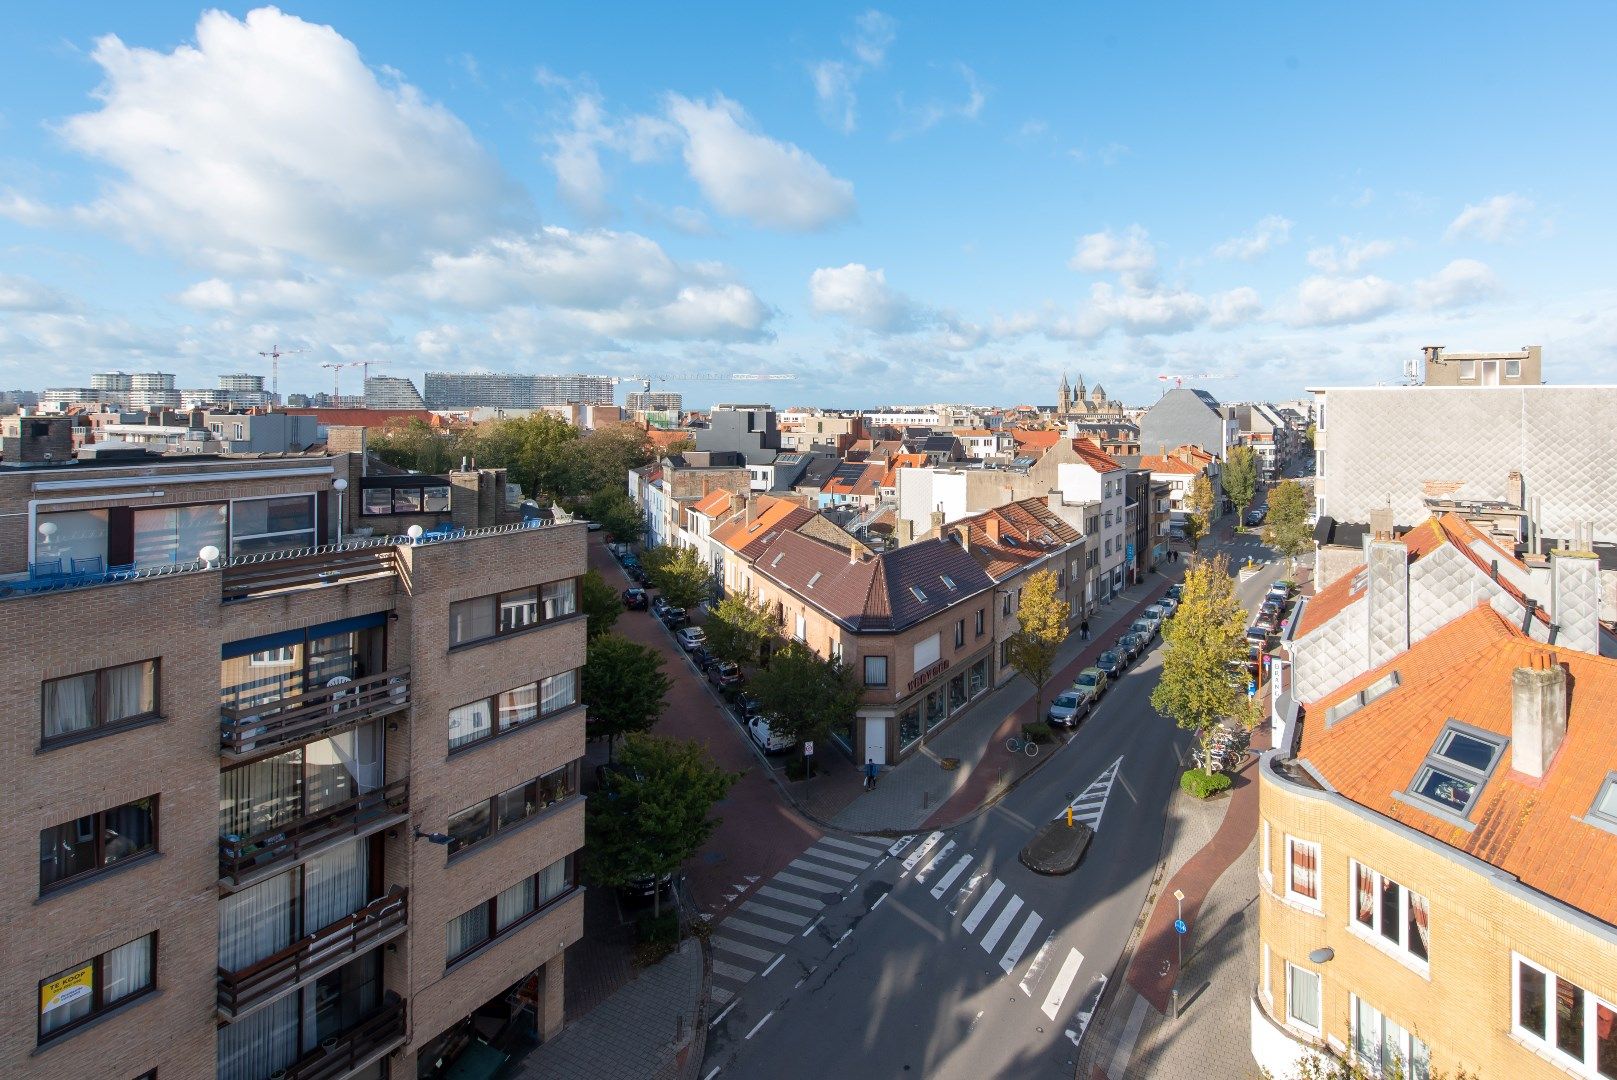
[1159,463]
[1009,537]
[1094,456]
[714,504]
[749,534]
[1038,441]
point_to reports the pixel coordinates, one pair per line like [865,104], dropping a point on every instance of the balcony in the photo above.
[378,1034]
[245,860]
[252,730]
[246,576]
[378,921]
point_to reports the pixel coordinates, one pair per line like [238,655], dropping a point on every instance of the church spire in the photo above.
[1066,395]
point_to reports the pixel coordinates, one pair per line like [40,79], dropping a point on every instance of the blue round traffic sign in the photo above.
[1179,927]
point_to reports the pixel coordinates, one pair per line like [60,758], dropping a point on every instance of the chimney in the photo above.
[1387,591]
[1381,524]
[1575,595]
[1538,708]
[1516,490]
[991,526]
[962,533]
[937,522]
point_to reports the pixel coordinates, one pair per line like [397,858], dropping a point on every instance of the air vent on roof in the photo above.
[916,592]
[948,582]
[812,580]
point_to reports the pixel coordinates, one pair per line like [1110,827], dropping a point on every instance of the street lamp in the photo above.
[339,485]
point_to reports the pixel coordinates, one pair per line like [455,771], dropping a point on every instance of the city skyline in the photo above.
[892,204]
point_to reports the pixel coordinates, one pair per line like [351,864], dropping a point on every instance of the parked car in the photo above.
[616,549]
[1254,516]
[1134,644]
[1278,592]
[1164,607]
[747,706]
[635,574]
[768,739]
[675,617]
[701,658]
[724,674]
[1257,635]
[1092,682]
[1146,628]
[1112,661]
[659,606]
[593,526]
[1068,708]
[690,638]
[1176,591]
[635,598]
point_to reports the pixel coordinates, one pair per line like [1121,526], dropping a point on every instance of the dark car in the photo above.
[635,599]
[748,706]
[724,674]
[1134,643]
[1176,590]
[701,658]
[675,617]
[659,607]
[635,574]
[1254,517]
[1112,661]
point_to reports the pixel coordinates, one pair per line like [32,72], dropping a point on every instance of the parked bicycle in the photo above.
[1022,746]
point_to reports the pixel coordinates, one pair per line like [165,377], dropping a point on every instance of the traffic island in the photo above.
[1057,848]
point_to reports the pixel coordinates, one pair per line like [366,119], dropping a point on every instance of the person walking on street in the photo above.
[871,771]
[1083,629]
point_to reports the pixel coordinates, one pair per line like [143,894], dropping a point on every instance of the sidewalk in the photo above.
[652,1027]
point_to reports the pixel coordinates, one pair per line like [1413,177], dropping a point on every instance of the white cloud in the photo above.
[25,211]
[1461,282]
[745,174]
[873,35]
[575,153]
[722,312]
[1142,311]
[1334,301]
[861,296]
[19,293]
[270,138]
[1130,252]
[1348,255]
[1239,305]
[835,80]
[256,298]
[1501,218]
[930,114]
[1269,233]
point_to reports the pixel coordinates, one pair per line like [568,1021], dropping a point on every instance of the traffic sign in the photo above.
[1179,927]
[1251,689]
[808,748]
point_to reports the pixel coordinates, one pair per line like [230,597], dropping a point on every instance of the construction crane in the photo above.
[336,377]
[1200,376]
[365,376]
[698,376]
[275,353]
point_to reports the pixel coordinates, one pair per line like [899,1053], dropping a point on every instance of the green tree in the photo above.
[679,446]
[1241,476]
[1204,638]
[1309,435]
[535,451]
[679,574]
[415,445]
[804,695]
[1041,626]
[1287,529]
[652,815]
[620,518]
[738,628]
[1203,499]
[601,460]
[1193,527]
[625,689]
[600,603]
[1318,1066]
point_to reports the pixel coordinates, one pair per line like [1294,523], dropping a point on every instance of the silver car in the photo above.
[1068,708]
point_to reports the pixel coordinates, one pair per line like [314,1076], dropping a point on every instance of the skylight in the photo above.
[1604,811]
[1455,772]
[1348,706]
[948,582]
[812,580]
[779,555]
[915,591]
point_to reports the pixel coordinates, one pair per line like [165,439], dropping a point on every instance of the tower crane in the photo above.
[336,377]
[365,376]
[1200,376]
[275,353]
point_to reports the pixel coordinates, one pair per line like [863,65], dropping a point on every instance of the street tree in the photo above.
[1203,499]
[619,517]
[653,814]
[1241,476]
[679,574]
[535,451]
[1309,436]
[1194,528]
[738,628]
[1041,627]
[1287,529]
[600,604]
[625,689]
[601,460]
[1204,639]
[679,446]
[804,695]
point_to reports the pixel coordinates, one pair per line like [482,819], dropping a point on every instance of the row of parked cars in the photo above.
[1270,620]
[1079,700]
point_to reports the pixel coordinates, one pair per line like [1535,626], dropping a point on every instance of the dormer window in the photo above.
[1453,775]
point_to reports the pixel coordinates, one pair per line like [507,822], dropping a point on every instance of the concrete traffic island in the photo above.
[1057,848]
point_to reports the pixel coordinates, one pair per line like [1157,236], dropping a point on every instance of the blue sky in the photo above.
[895,204]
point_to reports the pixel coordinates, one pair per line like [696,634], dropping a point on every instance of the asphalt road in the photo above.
[949,958]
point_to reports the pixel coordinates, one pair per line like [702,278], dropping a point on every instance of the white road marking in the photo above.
[760,1023]
[965,892]
[1063,983]
[1001,924]
[1086,1011]
[792,918]
[879,899]
[771,966]
[1035,967]
[840,858]
[714,1073]
[843,938]
[812,925]
[847,845]
[731,972]
[900,844]
[807,883]
[920,853]
[721,1016]
[791,898]
[948,879]
[753,929]
[1131,1035]
[977,913]
[741,950]
[806,866]
[1091,804]
[1019,943]
[936,861]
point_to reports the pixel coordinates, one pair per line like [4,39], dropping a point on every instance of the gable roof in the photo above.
[1163,463]
[1008,538]
[1094,456]
[1034,441]
[749,534]
[714,504]
[1524,826]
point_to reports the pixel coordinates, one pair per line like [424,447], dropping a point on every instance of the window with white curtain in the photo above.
[466,932]
[165,535]
[272,524]
[513,904]
[1302,872]
[482,618]
[78,704]
[927,652]
[258,1044]
[1303,997]
[558,692]
[560,598]
[1563,1021]
[1385,908]
[270,793]
[511,709]
[263,919]
[468,723]
[1385,1047]
[72,996]
[506,910]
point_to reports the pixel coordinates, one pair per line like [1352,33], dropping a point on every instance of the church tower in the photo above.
[1066,396]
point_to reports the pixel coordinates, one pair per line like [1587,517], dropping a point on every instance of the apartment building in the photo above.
[304,809]
[1438,864]
[1093,495]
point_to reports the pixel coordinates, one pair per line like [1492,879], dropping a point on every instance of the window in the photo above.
[959,633]
[1454,773]
[71,997]
[1005,608]
[107,698]
[411,499]
[96,841]
[1265,980]
[875,671]
[927,652]
[1264,859]
[1302,871]
[511,709]
[948,582]
[1303,997]
[916,592]
[1399,916]
[1567,1020]
[166,535]
[507,910]
[1386,1048]
[981,613]
[1604,810]
[509,808]
[1513,369]
[1468,369]
[273,524]
[485,617]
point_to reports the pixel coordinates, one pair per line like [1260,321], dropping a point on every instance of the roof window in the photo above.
[1455,772]
[779,555]
[948,582]
[1348,706]
[1603,813]
[915,591]
[812,580]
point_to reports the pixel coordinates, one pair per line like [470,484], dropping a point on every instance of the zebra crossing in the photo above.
[751,941]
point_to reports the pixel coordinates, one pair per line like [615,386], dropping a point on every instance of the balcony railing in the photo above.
[370,926]
[313,714]
[244,859]
[330,564]
[377,1034]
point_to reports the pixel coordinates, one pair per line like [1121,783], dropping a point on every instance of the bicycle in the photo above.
[1022,746]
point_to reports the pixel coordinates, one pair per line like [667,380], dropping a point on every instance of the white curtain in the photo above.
[519,706]
[466,931]
[343,767]
[469,723]
[557,692]
[513,904]
[254,1047]
[126,970]
[553,881]
[69,705]
[256,922]
[129,690]
[561,598]
[334,885]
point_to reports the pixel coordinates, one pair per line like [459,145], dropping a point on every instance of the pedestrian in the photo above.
[1083,628]
[871,769]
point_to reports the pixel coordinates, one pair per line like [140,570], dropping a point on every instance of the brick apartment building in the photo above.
[303,810]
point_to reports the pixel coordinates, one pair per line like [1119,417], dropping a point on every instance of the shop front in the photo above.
[933,697]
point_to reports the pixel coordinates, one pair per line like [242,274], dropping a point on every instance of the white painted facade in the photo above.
[1081,483]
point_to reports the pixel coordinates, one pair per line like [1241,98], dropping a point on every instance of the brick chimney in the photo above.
[1538,711]
[991,526]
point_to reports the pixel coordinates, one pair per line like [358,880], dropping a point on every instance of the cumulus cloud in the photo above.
[861,296]
[1142,311]
[746,174]
[1334,301]
[271,138]
[1497,220]
[1461,282]
[1348,255]
[1268,234]
[1237,306]
[256,298]
[930,114]
[835,80]
[19,294]
[25,211]
[575,149]
[1129,252]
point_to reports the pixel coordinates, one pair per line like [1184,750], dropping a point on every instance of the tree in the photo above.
[1287,529]
[1241,476]
[1194,528]
[415,445]
[1203,499]
[1204,638]
[535,451]
[600,604]
[737,629]
[601,460]
[625,689]
[1309,435]
[679,446]
[679,574]
[651,815]
[1317,1066]
[1041,626]
[620,518]
[804,695]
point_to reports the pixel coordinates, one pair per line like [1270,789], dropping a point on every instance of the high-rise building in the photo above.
[302,812]
[477,389]
[392,392]
[153,390]
[655,402]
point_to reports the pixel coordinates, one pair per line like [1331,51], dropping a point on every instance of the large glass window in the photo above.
[259,921]
[267,795]
[1568,1021]
[97,841]
[406,499]
[511,709]
[507,909]
[313,659]
[78,704]
[273,524]
[73,534]
[484,617]
[1385,1047]
[1303,997]
[73,996]
[1454,772]
[176,534]
[272,1038]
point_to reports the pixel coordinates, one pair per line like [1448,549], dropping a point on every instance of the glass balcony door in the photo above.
[260,678]
[269,794]
[265,919]
[279,1034]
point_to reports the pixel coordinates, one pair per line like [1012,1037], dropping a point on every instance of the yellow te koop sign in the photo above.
[66,989]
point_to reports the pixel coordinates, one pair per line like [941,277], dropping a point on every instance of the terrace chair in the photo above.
[45,568]
[94,566]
